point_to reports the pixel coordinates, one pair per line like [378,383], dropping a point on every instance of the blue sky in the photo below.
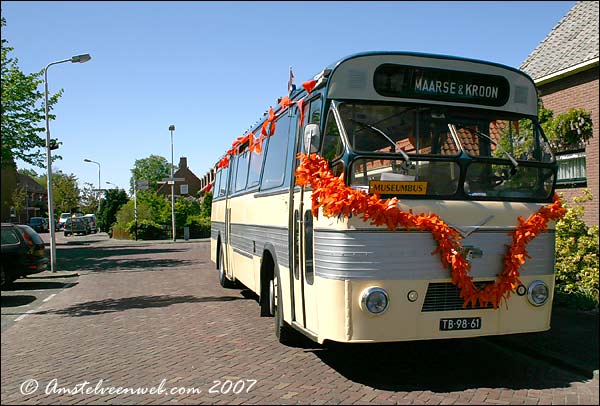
[213,68]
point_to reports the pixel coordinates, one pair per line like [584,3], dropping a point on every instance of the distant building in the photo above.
[564,67]
[188,187]
[36,198]
[8,185]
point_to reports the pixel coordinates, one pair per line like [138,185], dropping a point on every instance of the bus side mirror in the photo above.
[312,138]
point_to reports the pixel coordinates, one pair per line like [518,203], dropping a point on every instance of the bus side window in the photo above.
[255,167]
[224,180]
[217,184]
[242,172]
[276,159]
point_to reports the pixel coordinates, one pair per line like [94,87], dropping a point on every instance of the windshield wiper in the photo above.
[380,132]
[512,160]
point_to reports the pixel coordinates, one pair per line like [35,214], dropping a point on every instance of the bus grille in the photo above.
[446,296]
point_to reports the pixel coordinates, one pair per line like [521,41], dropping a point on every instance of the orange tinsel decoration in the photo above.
[337,199]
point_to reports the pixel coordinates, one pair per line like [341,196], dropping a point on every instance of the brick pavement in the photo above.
[142,313]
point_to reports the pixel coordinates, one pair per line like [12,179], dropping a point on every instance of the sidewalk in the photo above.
[571,342]
[51,275]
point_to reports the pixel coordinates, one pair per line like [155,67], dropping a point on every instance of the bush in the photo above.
[147,230]
[577,258]
[199,226]
[119,232]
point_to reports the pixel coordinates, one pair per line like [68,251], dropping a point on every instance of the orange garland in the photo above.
[337,199]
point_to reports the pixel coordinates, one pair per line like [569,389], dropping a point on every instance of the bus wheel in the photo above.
[223,279]
[284,332]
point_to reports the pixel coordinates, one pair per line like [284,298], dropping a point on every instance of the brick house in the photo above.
[36,198]
[189,187]
[564,67]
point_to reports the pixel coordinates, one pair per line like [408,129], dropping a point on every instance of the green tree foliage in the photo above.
[19,200]
[185,207]
[577,257]
[22,112]
[206,205]
[89,199]
[159,208]
[153,169]
[28,172]
[107,214]
[65,190]
[569,130]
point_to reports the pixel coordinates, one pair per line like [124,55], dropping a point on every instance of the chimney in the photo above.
[182,162]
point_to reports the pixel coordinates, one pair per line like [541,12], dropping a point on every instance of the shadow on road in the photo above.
[17,300]
[440,366]
[136,302]
[116,259]
[22,284]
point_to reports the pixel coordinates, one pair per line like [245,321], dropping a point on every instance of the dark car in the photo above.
[35,256]
[39,224]
[14,249]
[76,225]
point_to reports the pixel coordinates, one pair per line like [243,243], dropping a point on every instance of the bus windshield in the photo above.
[502,147]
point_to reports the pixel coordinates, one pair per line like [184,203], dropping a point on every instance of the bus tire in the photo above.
[224,281]
[284,332]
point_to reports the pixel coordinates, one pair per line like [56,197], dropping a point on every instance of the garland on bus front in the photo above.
[337,199]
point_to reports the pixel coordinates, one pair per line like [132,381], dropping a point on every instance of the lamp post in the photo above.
[75,59]
[172,128]
[98,193]
[110,183]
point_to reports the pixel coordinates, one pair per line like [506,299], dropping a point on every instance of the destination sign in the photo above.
[391,187]
[416,82]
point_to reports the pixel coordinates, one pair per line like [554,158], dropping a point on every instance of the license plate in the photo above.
[460,323]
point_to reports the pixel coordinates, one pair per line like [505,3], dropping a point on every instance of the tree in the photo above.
[19,199]
[28,172]
[107,214]
[153,169]
[206,205]
[65,190]
[22,112]
[89,199]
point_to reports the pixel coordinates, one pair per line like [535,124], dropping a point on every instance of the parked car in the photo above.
[91,219]
[62,219]
[76,225]
[39,224]
[35,256]
[14,249]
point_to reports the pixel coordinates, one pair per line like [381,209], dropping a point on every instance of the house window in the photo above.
[183,189]
[571,168]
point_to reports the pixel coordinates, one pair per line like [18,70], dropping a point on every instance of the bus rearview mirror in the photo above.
[312,138]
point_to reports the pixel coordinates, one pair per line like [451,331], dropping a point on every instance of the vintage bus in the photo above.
[427,146]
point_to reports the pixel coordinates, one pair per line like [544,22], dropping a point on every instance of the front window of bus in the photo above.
[511,156]
[501,156]
[405,144]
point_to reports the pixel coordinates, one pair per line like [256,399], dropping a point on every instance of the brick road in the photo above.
[146,315]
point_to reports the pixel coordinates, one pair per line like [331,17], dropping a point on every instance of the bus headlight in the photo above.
[538,293]
[374,300]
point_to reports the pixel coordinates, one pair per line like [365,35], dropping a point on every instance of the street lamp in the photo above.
[110,183]
[172,128]
[98,194]
[75,59]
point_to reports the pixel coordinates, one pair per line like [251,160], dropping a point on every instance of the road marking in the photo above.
[49,297]
[21,317]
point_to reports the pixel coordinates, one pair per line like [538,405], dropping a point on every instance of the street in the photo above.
[148,323]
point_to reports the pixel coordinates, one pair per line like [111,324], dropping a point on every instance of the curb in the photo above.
[55,275]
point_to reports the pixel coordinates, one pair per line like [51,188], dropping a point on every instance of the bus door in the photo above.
[227,249]
[302,269]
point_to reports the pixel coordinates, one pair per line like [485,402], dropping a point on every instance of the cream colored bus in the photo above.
[422,146]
